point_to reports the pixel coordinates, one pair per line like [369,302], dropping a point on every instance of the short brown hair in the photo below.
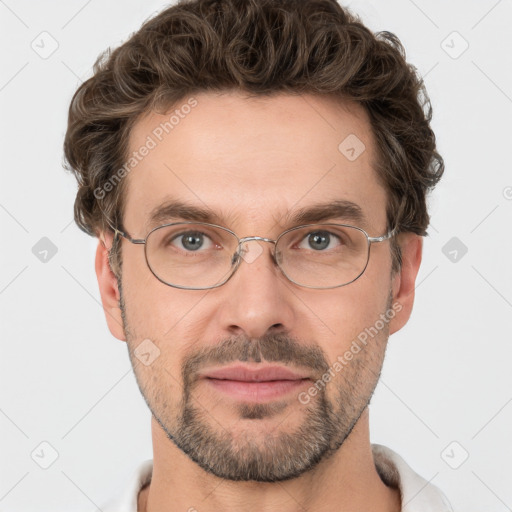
[260,47]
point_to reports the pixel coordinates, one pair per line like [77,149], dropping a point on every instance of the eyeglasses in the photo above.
[200,256]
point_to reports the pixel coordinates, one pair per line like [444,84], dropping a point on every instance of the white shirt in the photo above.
[416,493]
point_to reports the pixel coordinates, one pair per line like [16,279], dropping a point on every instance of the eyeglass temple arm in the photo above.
[387,236]
[125,235]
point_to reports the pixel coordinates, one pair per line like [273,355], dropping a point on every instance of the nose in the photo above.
[258,298]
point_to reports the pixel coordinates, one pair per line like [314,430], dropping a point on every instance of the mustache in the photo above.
[275,348]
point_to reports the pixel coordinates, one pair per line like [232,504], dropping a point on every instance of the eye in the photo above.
[192,241]
[320,240]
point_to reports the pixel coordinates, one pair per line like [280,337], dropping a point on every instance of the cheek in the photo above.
[148,305]
[349,311]
[168,317]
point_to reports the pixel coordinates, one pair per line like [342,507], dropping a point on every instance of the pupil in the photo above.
[192,241]
[321,240]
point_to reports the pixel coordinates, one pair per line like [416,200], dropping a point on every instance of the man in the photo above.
[256,173]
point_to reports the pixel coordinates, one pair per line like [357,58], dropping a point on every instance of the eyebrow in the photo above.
[339,209]
[334,210]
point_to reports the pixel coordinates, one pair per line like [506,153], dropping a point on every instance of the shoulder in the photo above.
[417,494]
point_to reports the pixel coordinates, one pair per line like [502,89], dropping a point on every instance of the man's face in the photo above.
[254,162]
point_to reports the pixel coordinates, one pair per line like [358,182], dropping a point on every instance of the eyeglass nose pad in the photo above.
[249,254]
[239,254]
[235,260]
[277,256]
[251,251]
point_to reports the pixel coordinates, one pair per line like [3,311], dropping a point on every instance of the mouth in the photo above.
[256,384]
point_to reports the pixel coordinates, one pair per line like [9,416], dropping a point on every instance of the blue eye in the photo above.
[192,241]
[319,240]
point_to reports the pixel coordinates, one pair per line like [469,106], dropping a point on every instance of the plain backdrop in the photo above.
[445,399]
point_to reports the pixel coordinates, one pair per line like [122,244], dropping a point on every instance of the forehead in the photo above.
[252,161]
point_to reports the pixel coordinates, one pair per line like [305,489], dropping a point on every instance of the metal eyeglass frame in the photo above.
[235,265]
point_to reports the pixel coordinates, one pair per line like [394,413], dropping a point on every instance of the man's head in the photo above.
[255,111]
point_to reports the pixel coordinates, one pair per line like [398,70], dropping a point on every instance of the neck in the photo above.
[347,480]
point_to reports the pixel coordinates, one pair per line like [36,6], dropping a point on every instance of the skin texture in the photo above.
[253,160]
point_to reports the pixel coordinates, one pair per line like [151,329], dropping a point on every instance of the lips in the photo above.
[254,374]
[255,383]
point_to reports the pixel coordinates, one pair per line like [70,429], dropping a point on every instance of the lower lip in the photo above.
[257,391]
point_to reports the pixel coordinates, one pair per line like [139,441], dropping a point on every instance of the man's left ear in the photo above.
[404,281]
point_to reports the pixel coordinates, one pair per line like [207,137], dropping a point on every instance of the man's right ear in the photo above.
[109,289]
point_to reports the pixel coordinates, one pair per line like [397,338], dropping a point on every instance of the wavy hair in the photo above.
[260,47]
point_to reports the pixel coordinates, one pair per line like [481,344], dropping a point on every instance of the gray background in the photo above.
[446,388]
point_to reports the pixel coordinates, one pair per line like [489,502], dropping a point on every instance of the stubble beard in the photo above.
[281,455]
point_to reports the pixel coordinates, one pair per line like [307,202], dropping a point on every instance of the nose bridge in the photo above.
[255,304]
[248,258]
[259,239]
[248,238]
